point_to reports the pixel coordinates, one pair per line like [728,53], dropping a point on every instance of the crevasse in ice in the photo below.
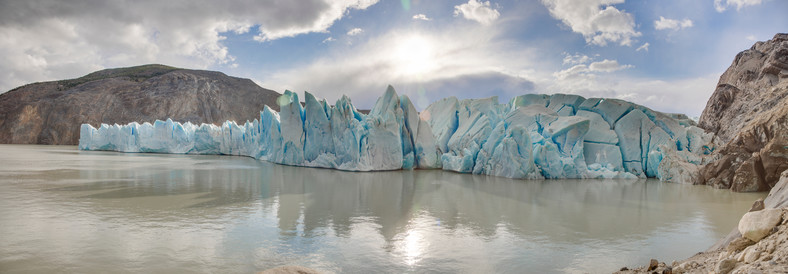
[532,136]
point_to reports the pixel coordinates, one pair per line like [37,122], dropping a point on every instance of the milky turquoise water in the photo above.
[64,210]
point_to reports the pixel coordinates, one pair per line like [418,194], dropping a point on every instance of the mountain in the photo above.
[748,112]
[52,112]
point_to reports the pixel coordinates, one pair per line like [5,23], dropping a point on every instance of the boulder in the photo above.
[749,176]
[756,225]
[725,266]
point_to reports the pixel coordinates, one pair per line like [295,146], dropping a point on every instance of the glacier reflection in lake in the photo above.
[63,210]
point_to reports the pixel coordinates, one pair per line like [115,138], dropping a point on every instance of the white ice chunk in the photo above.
[292,126]
[598,171]
[442,117]
[529,99]
[603,154]
[507,153]
[612,110]
[348,133]
[565,104]
[428,154]
[317,129]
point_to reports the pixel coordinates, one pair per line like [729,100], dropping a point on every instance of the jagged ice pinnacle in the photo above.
[533,136]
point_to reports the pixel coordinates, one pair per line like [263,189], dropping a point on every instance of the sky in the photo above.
[664,54]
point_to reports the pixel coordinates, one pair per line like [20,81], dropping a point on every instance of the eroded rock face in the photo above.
[748,112]
[746,88]
[51,112]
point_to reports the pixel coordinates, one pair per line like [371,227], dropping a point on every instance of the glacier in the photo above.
[533,136]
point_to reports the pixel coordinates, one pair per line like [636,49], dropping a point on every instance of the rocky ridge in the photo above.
[748,112]
[52,112]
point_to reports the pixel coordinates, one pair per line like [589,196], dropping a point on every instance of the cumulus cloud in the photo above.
[467,62]
[587,71]
[47,40]
[421,17]
[481,12]
[597,20]
[722,5]
[573,72]
[607,66]
[355,31]
[643,47]
[687,95]
[329,40]
[672,24]
[575,59]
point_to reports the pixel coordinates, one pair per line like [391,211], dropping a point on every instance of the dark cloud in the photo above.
[39,37]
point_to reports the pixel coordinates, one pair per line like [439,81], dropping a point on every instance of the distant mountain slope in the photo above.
[52,112]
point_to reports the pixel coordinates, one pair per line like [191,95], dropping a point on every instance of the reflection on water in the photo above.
[65,210]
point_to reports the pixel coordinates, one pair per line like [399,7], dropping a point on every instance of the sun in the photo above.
[414,56]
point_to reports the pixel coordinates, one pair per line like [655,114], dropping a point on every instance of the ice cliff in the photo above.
[532,136]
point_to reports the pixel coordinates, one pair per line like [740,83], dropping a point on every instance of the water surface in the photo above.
[64,210]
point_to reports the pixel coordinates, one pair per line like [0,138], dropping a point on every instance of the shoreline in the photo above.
[766,252]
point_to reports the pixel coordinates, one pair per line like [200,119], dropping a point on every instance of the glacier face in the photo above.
[532,136]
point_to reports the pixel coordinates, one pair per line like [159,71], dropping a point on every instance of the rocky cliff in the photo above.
[52,112]
[748,112]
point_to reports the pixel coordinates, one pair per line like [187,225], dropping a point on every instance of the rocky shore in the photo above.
[759,245]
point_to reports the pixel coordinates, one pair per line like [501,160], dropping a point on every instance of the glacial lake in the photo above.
[64,210]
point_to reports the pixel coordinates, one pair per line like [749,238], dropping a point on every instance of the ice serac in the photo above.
[292,128]
[507,153]
[598,131]
[531,136]
[270,142]
[476,119]
[529,99]
[560,154]
[348,133]
[428,154]
[565,104]
[442,118]
[317,129]
[382,147]
[471,134]
[409,132]
[612,109]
